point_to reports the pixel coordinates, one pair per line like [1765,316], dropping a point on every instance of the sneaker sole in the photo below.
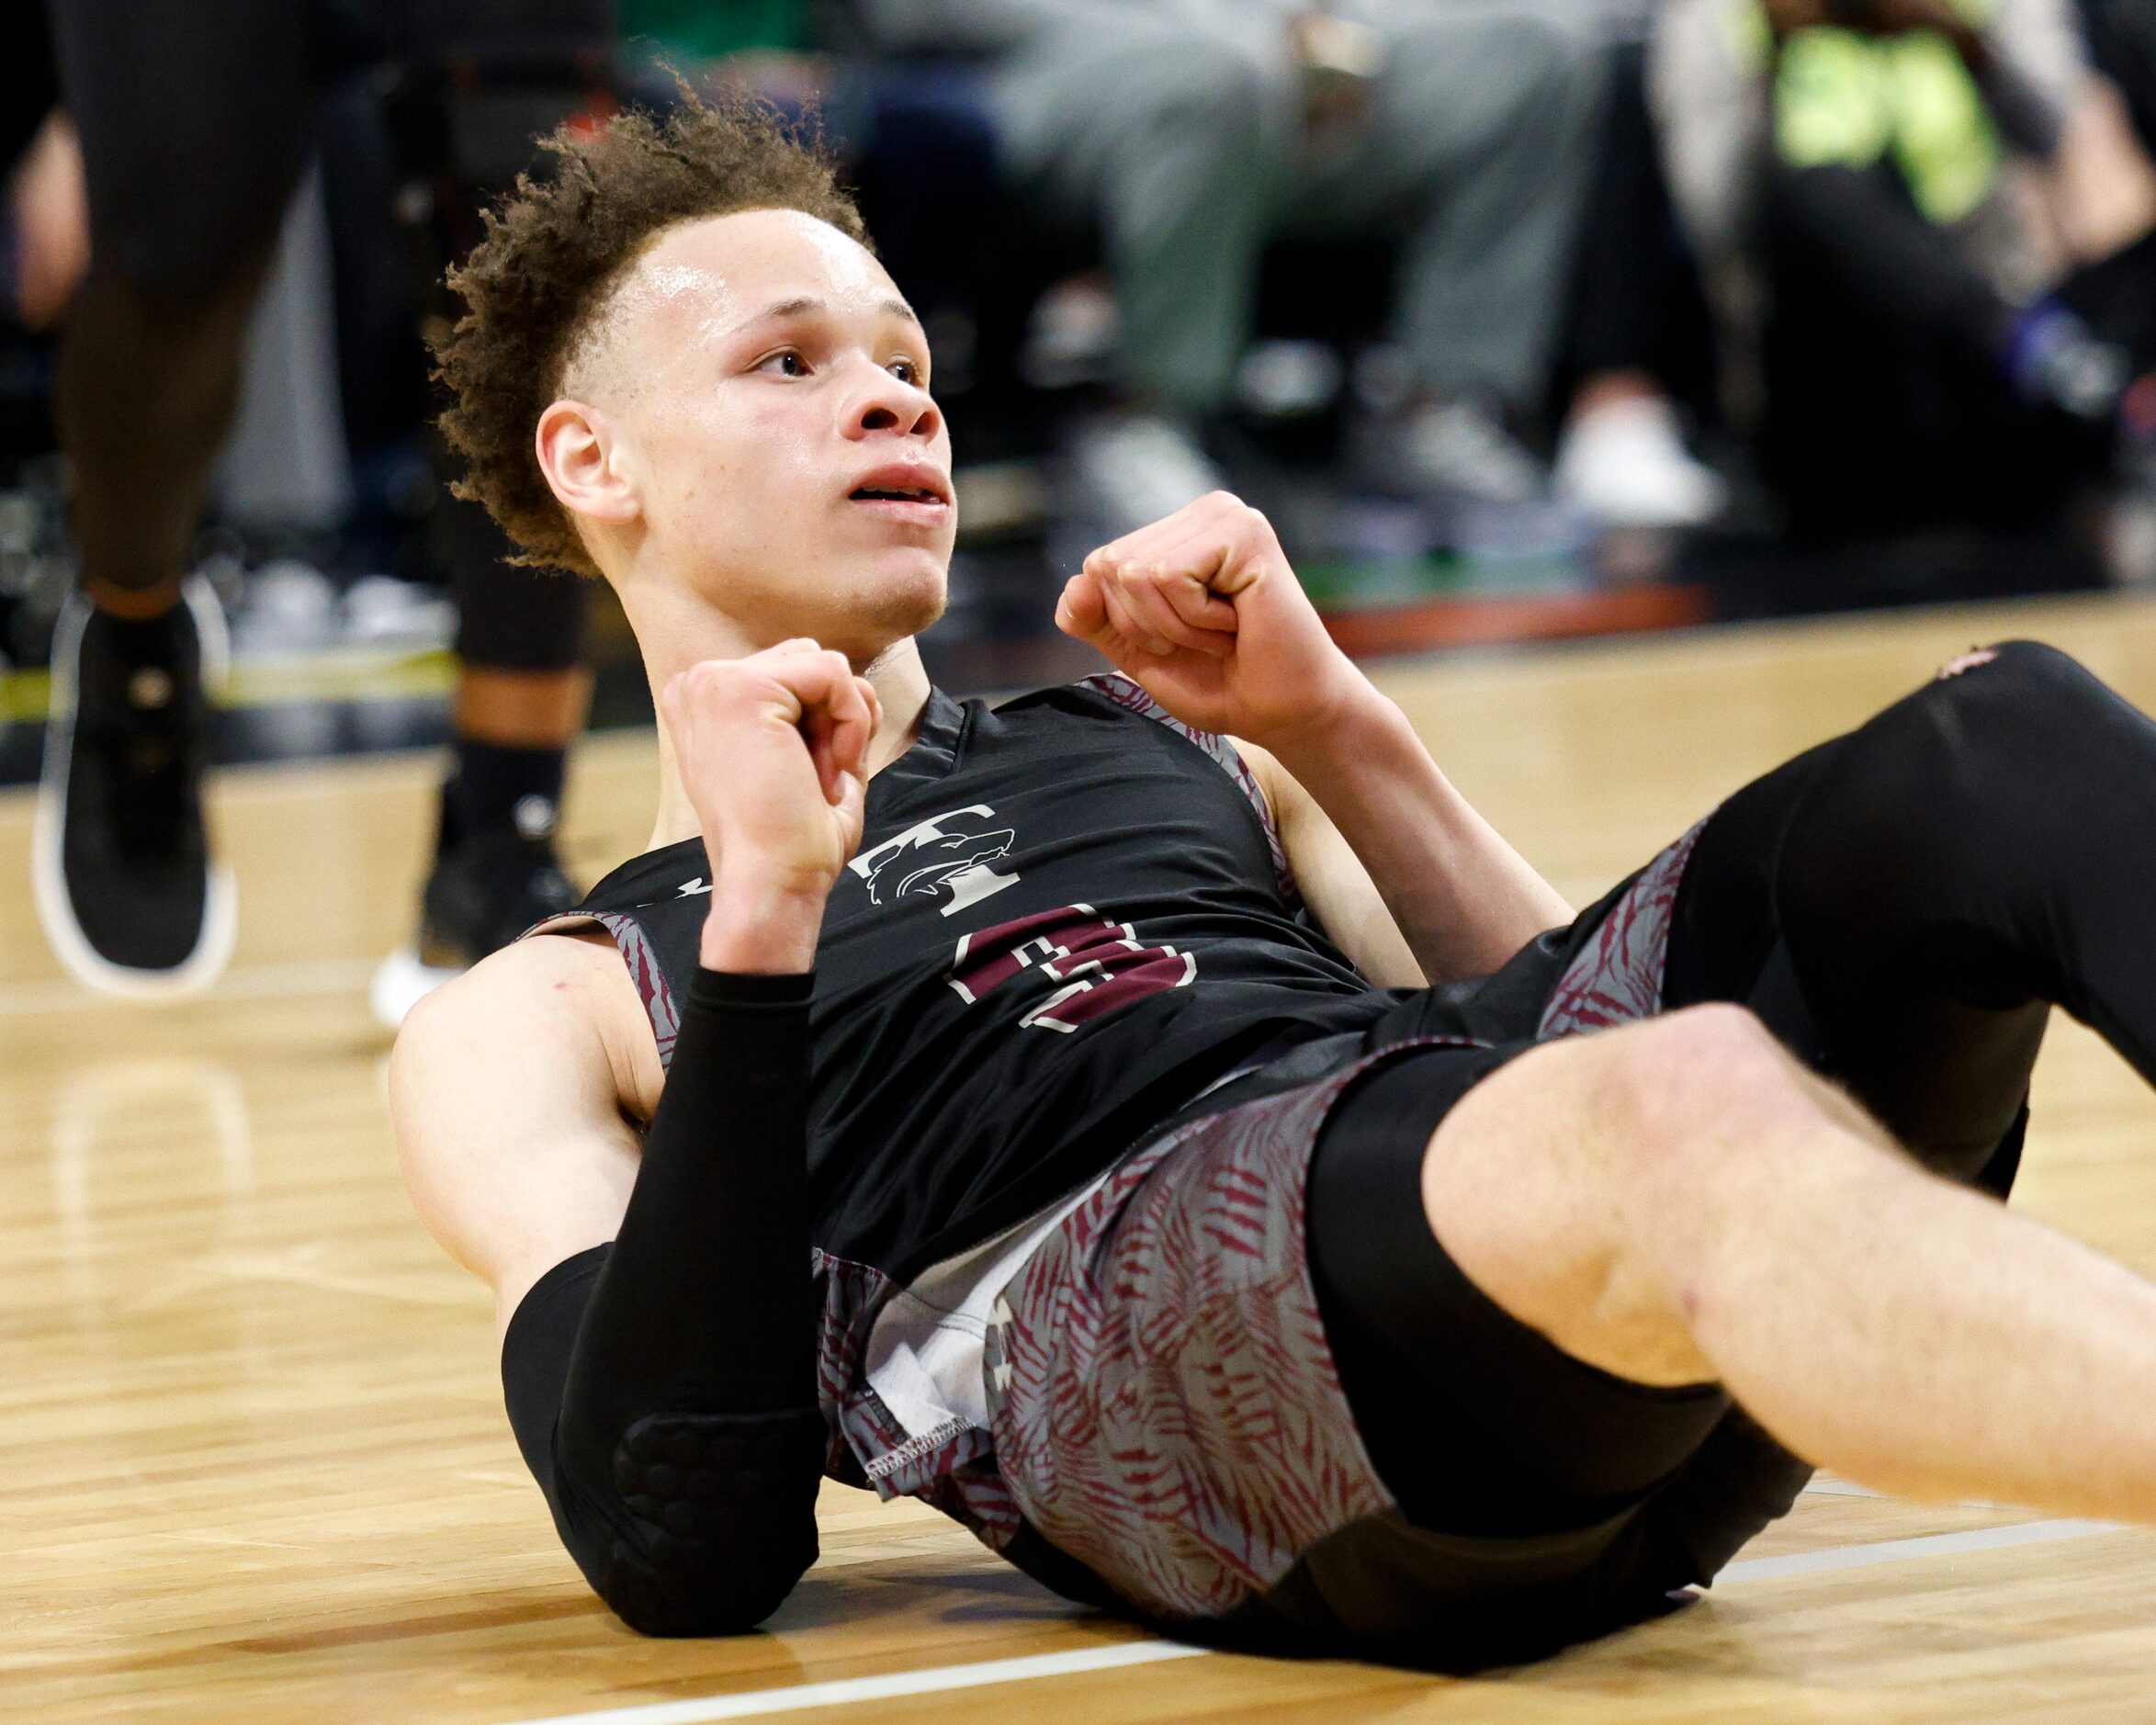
[220,909]
[401,982]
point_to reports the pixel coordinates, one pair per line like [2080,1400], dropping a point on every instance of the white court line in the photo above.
[251,982]
[940,1678]
[931,1682]
[1903,1550]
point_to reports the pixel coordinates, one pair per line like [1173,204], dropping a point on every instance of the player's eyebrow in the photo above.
[805,303]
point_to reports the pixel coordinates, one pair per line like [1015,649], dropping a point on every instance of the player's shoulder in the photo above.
[1107,695]
[562,990]
[1115,705]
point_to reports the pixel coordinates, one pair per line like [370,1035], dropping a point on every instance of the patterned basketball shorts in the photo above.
[1165,1406]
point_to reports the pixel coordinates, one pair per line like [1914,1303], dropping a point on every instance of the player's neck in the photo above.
[901,685]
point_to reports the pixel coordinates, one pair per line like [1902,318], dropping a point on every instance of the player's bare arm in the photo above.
[520,1089]
[1202,610]
[519,1093]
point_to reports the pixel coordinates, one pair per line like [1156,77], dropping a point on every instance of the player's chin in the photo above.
[909,587]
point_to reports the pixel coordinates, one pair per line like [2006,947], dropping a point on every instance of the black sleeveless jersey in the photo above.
[1067,917]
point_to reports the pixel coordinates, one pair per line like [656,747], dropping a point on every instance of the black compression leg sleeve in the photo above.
[508,617]
[1901,903]
[662,1388]
[194,121]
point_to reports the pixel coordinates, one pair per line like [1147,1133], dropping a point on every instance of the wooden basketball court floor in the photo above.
[253,1463]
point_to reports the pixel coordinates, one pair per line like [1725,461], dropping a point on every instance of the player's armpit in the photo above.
[1331,878]
[512,1090]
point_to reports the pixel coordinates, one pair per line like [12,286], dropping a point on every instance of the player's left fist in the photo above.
[1202,611]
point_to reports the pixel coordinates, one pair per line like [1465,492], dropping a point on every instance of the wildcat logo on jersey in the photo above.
[945,853]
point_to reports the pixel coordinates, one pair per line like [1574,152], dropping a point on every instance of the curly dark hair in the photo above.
[558,246]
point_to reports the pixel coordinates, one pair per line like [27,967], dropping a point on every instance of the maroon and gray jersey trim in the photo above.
[1128,696]
[951,1469]
[642,958]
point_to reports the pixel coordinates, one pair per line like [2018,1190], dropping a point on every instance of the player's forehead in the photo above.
[705,279]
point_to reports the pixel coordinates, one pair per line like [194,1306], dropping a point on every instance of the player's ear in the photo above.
[580,451]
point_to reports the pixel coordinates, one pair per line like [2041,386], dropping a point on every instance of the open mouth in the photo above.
[884,495]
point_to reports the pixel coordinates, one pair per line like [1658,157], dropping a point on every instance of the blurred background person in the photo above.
[1929,224]
[1928,237]
[1193,133]
[195,123]
[1638,357]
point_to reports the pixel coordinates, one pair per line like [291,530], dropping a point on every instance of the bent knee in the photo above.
[2000,733]
[1709,1074]
[2013,688]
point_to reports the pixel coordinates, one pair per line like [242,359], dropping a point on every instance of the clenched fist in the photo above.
[1202,611]
[772,751]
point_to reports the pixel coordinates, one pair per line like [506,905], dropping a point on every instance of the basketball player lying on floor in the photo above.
[1221,1175]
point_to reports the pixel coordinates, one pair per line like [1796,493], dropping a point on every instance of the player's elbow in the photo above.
[694,1591]
[720,1522]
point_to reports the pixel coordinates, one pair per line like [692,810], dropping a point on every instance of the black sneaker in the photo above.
[129,895]
[486,889]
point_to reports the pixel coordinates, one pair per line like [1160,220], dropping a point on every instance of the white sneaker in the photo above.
[1125,471]
[401,982]
[287,608]
[1626,461]
[388,615]
[1451,449]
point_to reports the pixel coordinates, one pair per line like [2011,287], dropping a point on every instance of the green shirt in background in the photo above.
[1847,98]
[705,30]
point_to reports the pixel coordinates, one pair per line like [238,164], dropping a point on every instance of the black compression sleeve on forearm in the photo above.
[662,1388]
[706,1302]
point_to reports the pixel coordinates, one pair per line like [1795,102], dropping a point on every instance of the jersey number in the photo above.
[1101,964]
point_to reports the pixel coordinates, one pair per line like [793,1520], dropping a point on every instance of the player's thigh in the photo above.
[1573,1186]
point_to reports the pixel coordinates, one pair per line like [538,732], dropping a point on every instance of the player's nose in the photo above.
[884,402]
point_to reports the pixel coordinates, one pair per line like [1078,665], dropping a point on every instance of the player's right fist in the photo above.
[772,751]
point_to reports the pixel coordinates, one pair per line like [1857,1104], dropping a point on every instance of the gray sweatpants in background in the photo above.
[1184,136]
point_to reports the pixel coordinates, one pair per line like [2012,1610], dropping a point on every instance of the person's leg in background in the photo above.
[1639,333]
[1964,415]
[193,121]
[522,691]
[44,223]
[1174,138]
[1477,143]
[521,697]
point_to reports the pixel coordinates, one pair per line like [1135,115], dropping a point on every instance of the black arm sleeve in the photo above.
[662,1388]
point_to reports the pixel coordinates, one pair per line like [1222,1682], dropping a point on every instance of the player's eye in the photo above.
[786,363]
[905,371]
